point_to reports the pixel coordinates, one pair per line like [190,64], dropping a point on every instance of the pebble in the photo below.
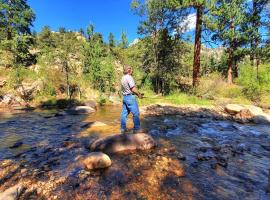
[180,156]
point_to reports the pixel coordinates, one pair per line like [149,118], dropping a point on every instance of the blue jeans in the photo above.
[130,105]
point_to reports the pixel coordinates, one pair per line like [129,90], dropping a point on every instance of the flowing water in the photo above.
[220,159]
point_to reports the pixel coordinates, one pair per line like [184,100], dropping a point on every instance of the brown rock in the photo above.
[97,160]
[123,143]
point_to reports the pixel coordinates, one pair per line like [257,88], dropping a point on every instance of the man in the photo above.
[130,103]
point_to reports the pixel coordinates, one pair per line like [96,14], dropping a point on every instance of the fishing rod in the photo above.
[145,97]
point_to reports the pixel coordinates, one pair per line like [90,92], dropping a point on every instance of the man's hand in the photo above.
[140,95]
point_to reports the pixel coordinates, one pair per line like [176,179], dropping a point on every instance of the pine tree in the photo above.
[16,18]
[201,7]
[255,23]
[226,20]
[111,40]
[159,26]
[124,40]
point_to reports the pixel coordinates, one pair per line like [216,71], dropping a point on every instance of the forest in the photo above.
[227,60]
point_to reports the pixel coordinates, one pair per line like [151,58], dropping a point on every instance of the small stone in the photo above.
[204,156]
[172,149]
[23,171]
[180,156]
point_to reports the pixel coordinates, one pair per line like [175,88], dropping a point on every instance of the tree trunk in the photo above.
[67,79]
[197,47]
[230,67]
[256,24]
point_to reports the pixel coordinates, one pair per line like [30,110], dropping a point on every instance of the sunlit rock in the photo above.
[123,142]
[12,193]
[97,160]
[233,108]
[81,110]
[262,119]
[254,110]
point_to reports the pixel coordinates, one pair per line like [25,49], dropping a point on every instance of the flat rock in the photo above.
[123,143]
[233,108]
[12,193]
[97,160]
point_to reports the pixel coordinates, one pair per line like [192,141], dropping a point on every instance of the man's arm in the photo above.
[135,91]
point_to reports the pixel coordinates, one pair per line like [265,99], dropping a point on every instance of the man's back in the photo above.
[127,83]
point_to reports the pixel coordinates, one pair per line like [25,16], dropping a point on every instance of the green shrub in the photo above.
[254,86]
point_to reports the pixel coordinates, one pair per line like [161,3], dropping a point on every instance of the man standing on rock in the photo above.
[130,103]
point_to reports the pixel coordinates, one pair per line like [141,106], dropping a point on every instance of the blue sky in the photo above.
[106,15]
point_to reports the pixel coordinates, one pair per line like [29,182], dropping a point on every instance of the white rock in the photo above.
[97,160]
[233,108]
[85,109]
[254,110]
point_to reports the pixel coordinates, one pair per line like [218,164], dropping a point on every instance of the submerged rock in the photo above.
[84,109]
[16,144]
[12,193]
[97,160]
[123,143]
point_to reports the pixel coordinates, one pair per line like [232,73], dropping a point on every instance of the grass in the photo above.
[176,98]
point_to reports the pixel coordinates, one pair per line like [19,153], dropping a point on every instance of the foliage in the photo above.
[16,18]
[97,64]
[255,87]
[124,40]
[111,40]
[226,20]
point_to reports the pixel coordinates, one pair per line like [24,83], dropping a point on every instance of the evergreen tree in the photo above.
[226,20]
[201,7]
[45,38]
[160,60]
[255,23]
[100,73]
[111,40]
[124,40]
[16,18]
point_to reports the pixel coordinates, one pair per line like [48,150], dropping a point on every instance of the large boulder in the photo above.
[97,160]
[123,143]
[12,193]
[233,109]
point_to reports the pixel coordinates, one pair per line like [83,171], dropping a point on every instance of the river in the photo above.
[220,159]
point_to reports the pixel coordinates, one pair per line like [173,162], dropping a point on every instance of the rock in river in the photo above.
[12,193]
[97,160]
[123,143]
[85,109]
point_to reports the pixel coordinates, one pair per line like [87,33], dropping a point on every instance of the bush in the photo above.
[254,86]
